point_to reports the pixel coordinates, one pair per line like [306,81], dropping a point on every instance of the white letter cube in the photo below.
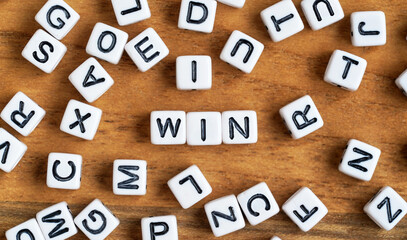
[147,49]
[81,120]
[96,221]
[368,28]
[189,187]
[107,43]
[91,79]
[204,128]
[233,3]
[242,51]
[64,171]
[239,127]
[386,208]
[401,82]
[26,230]
[129,177]
[57,17]
[197,15]
[130,11]
[305,209]
[11,151]
[275,238]
[22,114]
[194,72]
[320,14]
[168,127]
[359,160]
[282,20]
[258,203]
[159,228]
[44,51]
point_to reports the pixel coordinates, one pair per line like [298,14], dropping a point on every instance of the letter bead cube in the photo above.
[401,82]
[345,70]
[96,221]
[224,215]
[129,177]
[194,72]
[11,151]
[44,51]
[64,171]
[189,187]
[107,43]
[258,203]
[233,3]
[197,15]
[57,17]
[322,13]
[26,230]
[275,238]
[239,127]
[22,114]
[386,208]
[147,49]
[368,28]
[168,127]
[130,11]
[242,51]
[159,228]
[56,222]
[305,209]
[204,128]
[81,120]
[91,80]
[282,20]
[359,160]
[301,117]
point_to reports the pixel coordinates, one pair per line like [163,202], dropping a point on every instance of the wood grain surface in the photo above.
[376,114]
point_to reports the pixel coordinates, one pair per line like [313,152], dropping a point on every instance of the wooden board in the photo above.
[376,114]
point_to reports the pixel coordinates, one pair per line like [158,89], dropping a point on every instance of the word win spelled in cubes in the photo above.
[27,230]
[64,171]
[57,17]
[322,13]
[345,70]
[386,208]
[44,51]
[203,128]
[197,15]
[190,186]
[11,151]
[194,72]
[359,160]
[96,221]
[224,215]
[22,114]
[130,11]
[368,28]
[301,117]
[81,120]
[305,209]
[129,177]
[159,228]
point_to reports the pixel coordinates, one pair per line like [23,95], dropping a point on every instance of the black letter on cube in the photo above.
[80,121]
[59,20]
[304,117]
[308,214]
[133,177]
[20,113]
[25,231]
[354,163]
[193,182]
[328,5]
[93,80]
[391,217]
[366,33]
[6,146]
[143,52]
[245,133]
[112,44]
[92,217]
[249,52]
[59,221]
[190,9]
[280,21]
[230,217]
[58,177]
[153,233]
[168,123]
[42,50]
[349,61]
[131,10]
[254,197]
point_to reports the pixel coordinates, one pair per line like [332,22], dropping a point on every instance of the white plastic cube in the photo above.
[282,20]
[258,203]
[197,15]
[320,14]
[386,208]
[345,70]
[130,11]
[44,51]
[368,28]
[301,117]
[159,228]
[194,72]
[11,151]
[22,114]
[305,209]
[233,3]
[204,128]
[168,127]
[107,43]
[359,160]
[147,49]
[57,17]
[275,238]
[242,51]
[239,127]
[81,120]
[190,186]
[224,215]
[64,171]
[26,230]
[401,82]
[91,79]
[129,177]
[56,222]
[96,221]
